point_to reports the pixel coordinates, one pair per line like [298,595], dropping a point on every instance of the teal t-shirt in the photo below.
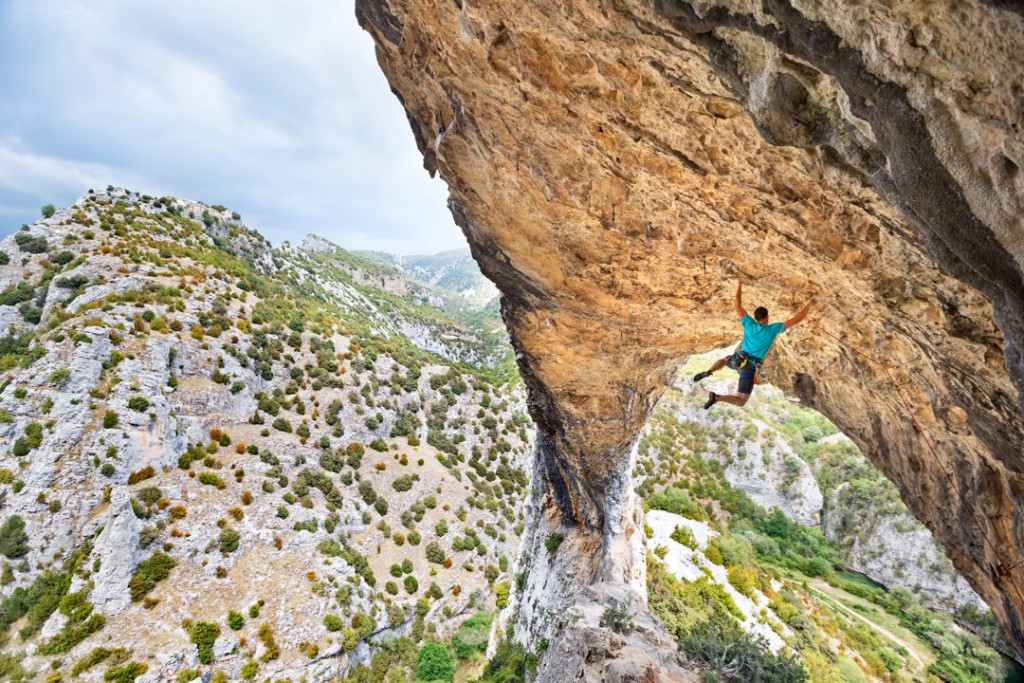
[757,339]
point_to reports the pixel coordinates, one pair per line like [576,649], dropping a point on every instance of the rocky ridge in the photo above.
[194,426]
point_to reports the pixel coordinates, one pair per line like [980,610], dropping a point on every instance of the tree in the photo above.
[435,553]
[434,664]
[13,539]
[48,210]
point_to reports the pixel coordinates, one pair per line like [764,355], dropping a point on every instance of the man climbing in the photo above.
[758,337]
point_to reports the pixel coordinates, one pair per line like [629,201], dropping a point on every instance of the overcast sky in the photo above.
[273,108]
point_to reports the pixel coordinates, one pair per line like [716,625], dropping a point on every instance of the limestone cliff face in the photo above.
[616,166]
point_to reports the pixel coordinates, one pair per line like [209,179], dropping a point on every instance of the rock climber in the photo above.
[758,337]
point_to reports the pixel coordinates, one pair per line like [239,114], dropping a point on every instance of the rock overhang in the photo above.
[617,166]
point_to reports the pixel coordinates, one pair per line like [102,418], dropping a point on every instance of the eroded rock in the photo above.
[606,183]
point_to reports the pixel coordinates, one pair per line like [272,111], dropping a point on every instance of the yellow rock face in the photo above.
[618,166]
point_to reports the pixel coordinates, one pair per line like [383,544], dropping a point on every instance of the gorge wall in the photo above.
[617,166]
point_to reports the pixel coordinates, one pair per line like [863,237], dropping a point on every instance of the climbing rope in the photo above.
[1004,567]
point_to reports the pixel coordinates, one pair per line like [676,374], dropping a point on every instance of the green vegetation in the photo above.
[13,539]
[434,664]
[148,573]
[472,636]
[204,635]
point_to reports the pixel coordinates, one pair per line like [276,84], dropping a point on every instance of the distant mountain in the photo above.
[453,270]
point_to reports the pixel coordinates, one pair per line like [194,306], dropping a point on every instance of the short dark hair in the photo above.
[760,313]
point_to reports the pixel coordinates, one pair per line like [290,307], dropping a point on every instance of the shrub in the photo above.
[434,664]
[228,540]
[411,584]
[684,536]
[48,210]
[723,648]
[617,620]
[141,475]
[211,479]
[333,622]
[148,573]
[249,670]
[472,635]
[127,673]
[282,425]
[13,539]
[553,541]
[501,592]
[109,419]
[59,376]
[204,635]
[403,483]
[435,553]
[138,403]
[235,620]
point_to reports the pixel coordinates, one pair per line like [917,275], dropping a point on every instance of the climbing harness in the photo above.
[741,359]
[1004,568]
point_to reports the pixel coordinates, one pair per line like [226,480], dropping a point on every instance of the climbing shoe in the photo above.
[701,375]
[711,400]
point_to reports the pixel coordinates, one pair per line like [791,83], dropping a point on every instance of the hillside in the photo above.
[237,449]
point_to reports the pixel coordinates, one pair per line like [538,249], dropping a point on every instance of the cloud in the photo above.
[275,109]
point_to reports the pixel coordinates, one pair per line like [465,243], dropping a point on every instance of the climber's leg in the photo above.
[715,367]
[734,399]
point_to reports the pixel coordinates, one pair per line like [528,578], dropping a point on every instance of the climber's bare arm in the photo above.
[740,311]
[799,316]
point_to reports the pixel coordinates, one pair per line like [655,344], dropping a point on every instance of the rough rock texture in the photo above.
[592,653]
[117,549]
[895,550]
[610,183]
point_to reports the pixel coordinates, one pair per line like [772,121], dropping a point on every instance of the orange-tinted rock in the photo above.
[606,181]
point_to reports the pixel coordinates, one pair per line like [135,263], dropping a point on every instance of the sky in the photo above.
[274,108]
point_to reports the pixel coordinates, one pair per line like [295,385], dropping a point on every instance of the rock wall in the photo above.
[616,166]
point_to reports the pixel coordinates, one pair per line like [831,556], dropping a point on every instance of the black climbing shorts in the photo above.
[747,372]
[746,384]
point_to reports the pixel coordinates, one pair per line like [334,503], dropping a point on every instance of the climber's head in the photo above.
[761,315]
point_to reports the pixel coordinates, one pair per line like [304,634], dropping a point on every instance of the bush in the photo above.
[138,403]
[553,541]
[204,635]
[403,483]
[472,635]
[62,258]
[501,592]
[127,673]
[148,573]
[211,479]
[435,553]
[282,425]
[48,210]
[678,502]
[228,540]
[333,622]
[617,620]
[141,475]
[59,376]
[109,419]
[235,620]
[434,664]
[411,584]
[13,539]
[723,648]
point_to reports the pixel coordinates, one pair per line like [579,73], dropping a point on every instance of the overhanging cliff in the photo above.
[616,166]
